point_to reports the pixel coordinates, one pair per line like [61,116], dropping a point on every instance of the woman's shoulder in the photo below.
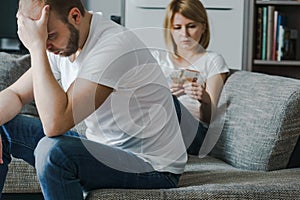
[215,63]
[215,58]
[212,55]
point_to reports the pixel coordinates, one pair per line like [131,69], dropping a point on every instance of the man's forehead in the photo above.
[31,8]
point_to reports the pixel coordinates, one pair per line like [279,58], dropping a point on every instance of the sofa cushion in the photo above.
[12,66]
[262,121]
[21,178]
[210,178]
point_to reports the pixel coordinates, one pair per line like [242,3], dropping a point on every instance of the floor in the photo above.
[22,197]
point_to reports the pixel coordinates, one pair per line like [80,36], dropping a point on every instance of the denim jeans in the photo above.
[193,131]
[69,165]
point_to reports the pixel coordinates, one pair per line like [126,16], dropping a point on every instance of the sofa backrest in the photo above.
[262,121]
[12,66]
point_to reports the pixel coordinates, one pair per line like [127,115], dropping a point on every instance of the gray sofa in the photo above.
[256,156]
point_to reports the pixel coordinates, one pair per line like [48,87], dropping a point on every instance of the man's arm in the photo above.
[59,110]
[13,98]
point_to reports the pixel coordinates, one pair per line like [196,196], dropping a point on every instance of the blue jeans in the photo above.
[69,165]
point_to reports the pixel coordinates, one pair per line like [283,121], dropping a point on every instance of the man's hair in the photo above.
[63,7]
[191,9]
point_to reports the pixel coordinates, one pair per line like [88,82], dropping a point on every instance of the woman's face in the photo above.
[185,32]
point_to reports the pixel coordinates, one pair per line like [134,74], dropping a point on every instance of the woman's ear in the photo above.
[74,16]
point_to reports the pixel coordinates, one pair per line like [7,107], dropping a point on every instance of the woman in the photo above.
[187,36]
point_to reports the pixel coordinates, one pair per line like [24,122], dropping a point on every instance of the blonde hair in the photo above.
[191,9]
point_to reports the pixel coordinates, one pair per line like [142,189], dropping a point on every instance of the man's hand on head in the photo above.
[33,33]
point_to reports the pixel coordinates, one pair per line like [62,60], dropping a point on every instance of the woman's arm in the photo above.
[207,94]
[214,86]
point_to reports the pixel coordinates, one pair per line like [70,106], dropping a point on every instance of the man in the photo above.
[84,67]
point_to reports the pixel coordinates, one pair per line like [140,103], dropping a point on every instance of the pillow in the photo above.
[12,66]
[262,121]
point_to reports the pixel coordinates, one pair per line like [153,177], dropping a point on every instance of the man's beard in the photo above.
[73,42]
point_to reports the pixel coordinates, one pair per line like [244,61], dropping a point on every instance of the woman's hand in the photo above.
[197,91]
[33,32]
[177,89]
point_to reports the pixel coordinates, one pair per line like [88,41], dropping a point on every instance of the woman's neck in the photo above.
[188,57]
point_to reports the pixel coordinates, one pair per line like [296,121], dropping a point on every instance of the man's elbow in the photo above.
[52,130]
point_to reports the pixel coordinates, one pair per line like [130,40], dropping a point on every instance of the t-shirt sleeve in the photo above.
[217,66]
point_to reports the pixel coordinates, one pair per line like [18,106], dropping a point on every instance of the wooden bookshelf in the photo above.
[280,3]
[288,65]
[295,63]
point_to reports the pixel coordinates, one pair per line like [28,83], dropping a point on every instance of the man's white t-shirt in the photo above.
[209,64]
[139,116]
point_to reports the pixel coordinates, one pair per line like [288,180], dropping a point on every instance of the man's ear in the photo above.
[74,16]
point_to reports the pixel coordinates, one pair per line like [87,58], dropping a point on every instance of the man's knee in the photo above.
[55,151]
[47,151]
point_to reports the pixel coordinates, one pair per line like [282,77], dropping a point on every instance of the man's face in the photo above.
[63,38]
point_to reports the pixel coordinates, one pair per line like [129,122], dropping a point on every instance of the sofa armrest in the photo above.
[262,121]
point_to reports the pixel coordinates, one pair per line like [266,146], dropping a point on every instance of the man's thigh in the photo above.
[100,166]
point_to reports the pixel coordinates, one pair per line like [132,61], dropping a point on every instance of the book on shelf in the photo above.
[290,42]
[281,28]
[264,33]
[280,42]
[275,33]
[275,40]
[259,33]
[270,32]
[287,40]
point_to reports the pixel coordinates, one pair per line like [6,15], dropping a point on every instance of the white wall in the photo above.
[107,7]
[226,21]
[226,18]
